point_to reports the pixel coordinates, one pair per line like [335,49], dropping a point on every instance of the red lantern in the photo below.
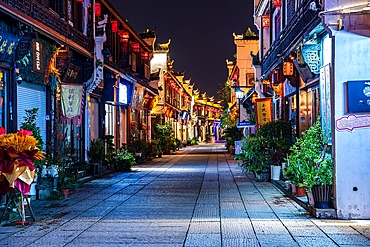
[123,36]
[277,3]
[145,55]
[80,1]
[114,26]
[265,21]
[135,47]
[97,9]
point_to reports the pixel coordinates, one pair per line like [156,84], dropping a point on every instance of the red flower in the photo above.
[2,131]
[23,132]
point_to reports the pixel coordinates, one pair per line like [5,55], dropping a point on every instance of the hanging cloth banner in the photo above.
[72,102]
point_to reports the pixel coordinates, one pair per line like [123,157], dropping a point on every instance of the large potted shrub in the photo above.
[123,160]
[311,161]
[96,155]
[278,136]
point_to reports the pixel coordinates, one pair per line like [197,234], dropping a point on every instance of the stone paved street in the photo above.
[198,197]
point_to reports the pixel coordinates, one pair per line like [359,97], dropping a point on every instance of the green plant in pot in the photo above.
[96,155]
[123,160]
[311,164]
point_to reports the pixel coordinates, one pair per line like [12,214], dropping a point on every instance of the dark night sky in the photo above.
[200,32]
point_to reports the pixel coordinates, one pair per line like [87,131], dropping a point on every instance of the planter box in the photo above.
[321,195]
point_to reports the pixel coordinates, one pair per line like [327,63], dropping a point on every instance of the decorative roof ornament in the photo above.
[250,33]
[164,46]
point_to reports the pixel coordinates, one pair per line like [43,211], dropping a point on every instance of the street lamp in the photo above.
[239,95]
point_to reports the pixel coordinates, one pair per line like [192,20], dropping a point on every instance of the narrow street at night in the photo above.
[197,197]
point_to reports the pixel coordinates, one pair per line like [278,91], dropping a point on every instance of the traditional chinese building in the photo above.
[313,56]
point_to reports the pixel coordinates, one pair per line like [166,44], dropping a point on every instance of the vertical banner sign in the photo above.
[264,111]
[71,97]
[325,102]
[37,56]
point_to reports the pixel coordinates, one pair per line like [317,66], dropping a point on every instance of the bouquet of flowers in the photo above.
[18,151]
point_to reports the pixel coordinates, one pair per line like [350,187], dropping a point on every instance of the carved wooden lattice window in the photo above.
[277,24]
[59,7]
[290,10]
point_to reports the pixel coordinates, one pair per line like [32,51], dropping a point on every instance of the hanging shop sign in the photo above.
[184,117]
[266,21]
[137,101]
[37,56]
[125,90]
[264,111]
[72,102]
[277,3]
[287,68]
[71,73]
[8,45]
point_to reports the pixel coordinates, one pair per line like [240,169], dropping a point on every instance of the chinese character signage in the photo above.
[266,21]
[264,111]
[71,73]
[37,56]
[72,101]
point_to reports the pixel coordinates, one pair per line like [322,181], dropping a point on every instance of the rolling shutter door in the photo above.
[32,96]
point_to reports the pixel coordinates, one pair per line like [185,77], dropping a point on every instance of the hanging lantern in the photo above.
[114,26]
[123,36]
[288,69]
[135,47]
[80,1]
[277,3]
[145,56]
[266,21]
[97,9]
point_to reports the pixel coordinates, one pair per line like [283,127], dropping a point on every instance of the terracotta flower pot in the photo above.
[301,191]
[65,193]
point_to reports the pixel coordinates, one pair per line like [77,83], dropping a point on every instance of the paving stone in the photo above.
[240,242]
[303,231]
[310,241]
[350,239]
[237,230]
[272,227]
[203,240]
[277,241]
[204,228]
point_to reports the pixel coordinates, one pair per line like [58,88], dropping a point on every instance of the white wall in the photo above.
[352,148]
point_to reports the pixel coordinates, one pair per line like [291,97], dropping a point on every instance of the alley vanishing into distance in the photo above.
[197,197]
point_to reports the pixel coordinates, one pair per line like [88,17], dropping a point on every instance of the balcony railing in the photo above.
[48,17]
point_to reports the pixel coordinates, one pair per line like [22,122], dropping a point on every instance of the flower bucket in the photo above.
[275,172]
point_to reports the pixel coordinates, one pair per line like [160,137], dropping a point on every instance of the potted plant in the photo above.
[96,155]
[123,160]
[312,163]
[279,138]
